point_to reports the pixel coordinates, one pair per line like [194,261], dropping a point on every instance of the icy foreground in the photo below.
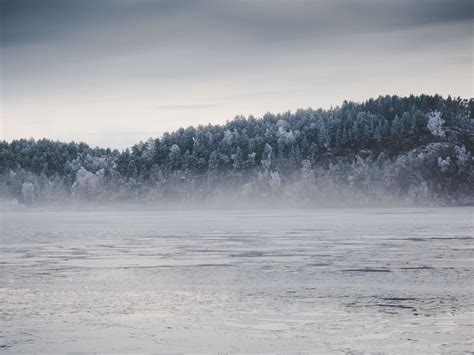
[390,280]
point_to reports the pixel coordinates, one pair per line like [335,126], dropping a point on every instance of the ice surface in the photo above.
[391,280]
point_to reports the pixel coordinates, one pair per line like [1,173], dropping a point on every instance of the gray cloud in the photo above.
[26,21]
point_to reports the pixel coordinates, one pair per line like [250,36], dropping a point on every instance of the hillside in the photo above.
[389,150]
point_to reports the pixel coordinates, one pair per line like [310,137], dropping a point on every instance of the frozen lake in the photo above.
[396,280]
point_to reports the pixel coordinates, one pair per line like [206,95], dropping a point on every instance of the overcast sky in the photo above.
[113,72]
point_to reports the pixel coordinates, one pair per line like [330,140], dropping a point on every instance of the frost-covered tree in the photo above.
[267,157]
[462,155]
[175,156]
[444,163]
[435,123]
[396,129]
[28,192]
[87,185]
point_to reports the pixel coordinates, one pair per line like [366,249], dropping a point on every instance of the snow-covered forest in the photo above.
[389,150]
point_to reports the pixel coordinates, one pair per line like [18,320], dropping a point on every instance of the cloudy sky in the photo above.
[113,72]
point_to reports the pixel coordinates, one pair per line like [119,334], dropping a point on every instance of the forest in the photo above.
[415,150]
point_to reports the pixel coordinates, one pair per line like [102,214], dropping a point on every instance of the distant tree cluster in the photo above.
[409,150]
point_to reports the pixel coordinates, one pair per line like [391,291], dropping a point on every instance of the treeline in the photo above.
[389,150]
